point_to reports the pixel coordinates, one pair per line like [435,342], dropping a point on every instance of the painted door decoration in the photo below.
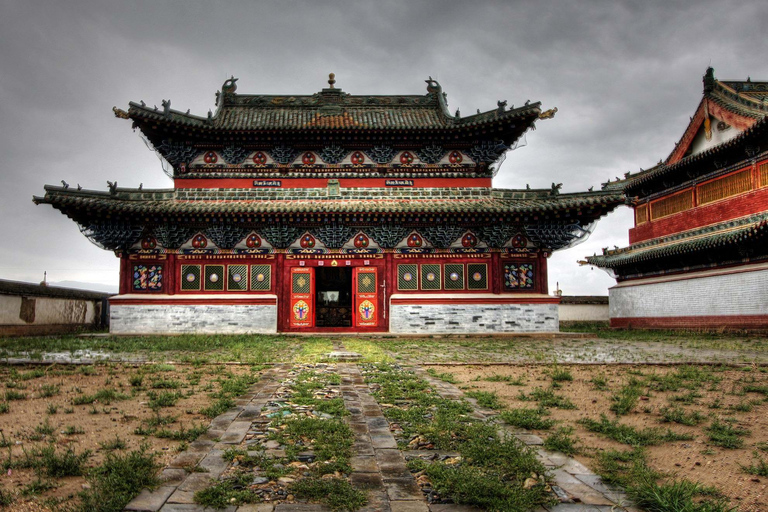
[366,297]
[302,297]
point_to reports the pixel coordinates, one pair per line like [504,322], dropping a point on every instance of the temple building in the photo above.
[698,253]
[332,212]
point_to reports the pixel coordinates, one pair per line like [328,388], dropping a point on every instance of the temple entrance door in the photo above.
[333,297]
[366,297]
[302,297]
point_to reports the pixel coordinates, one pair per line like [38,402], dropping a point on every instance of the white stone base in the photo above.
[737,295]
[193,319]
[477,318]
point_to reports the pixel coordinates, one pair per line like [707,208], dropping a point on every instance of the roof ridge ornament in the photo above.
[331,80]
[433,85]
[709,80]
[229,86]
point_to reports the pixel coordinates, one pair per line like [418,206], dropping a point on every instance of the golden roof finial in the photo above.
[331,79]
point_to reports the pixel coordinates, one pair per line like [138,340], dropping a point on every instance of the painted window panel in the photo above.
[727,186]
[366,282]
[454,276]
[518,276]
[641,214]
[300,283]
[430,276]
[147,278]
[672,204]
[237,279]
[762,170]
[477,276]
[214,278]
[190,277]
[261,277]
[407,277]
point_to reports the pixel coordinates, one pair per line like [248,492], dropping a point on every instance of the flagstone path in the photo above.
[378,467]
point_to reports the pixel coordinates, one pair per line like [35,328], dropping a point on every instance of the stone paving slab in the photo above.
[150,501]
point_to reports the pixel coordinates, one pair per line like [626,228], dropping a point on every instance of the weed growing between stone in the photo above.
[301,449]
[488,470]
[527,418]
[626,434]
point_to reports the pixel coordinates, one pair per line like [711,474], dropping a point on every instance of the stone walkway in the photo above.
[378,467]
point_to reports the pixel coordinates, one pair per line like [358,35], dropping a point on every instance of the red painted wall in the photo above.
[323,182]
[749,203]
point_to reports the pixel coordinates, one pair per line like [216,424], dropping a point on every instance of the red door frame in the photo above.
[284,268]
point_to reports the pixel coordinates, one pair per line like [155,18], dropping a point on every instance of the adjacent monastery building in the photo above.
[332,212]
[698,254]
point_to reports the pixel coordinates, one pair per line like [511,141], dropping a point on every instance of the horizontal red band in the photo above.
[209,301]
[693,322]
[323,183]
[476,300]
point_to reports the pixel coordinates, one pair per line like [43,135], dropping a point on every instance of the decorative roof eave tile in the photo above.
[696,240]
[301,120]
[663,169]
[214,201]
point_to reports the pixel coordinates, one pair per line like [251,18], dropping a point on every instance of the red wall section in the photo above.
[755,201]
[323,182]
[738,322]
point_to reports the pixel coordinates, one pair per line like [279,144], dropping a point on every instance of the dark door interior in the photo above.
[333,300]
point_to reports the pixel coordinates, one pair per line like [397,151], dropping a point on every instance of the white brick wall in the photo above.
[472,318]
[197,319]
[742,293]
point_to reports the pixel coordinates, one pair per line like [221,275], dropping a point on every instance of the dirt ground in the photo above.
[697,460]
[87,426]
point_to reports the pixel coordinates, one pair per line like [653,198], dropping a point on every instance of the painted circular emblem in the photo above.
[307,242]
[260,278]
[357,158]
[361,241]
[367,309]
[253,241]
[199,242]
[148,242]
[455,157]
[519,241]
[210,157]
[407,277]
[406,158]
[300,310]
[214,278]
[477,276]
[453,276]
[191,277]
[469,240]
[260,158]
[308,158]
[431,276]
[415,240]
[237,278]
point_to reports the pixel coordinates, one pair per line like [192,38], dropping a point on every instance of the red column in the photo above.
[494,273]
[171,272]
[125,271]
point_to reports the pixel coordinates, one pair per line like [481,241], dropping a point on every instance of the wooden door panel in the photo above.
[366,289]
[302,303]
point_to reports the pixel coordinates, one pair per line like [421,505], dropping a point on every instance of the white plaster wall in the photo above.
[472,318]
[743,293]
[193,319]
[9,310]
[584,313]
[48,311]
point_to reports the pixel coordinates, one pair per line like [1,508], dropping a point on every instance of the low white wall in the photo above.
[193,319]
[47,311]
[584,313]
[736,292]
[472,318]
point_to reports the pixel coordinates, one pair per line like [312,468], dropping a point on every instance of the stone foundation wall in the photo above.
[734,298]
[472,318]
[193,319]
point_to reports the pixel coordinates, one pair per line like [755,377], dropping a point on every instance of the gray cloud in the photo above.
[625,76]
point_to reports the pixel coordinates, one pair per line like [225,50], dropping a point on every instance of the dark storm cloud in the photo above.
[625,76]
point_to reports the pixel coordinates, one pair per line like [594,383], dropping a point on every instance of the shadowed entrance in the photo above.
[333,295]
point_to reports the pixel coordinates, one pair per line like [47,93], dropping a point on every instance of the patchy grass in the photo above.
[725,435]
[444,376]
[336,493]
[548,398]
[625,400]
[627,434]
[561,440]
[485,399]
[527,418]
[679,415]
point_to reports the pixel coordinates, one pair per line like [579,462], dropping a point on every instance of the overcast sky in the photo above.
[625,77]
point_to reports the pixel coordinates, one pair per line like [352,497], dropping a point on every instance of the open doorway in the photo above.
[333,297]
